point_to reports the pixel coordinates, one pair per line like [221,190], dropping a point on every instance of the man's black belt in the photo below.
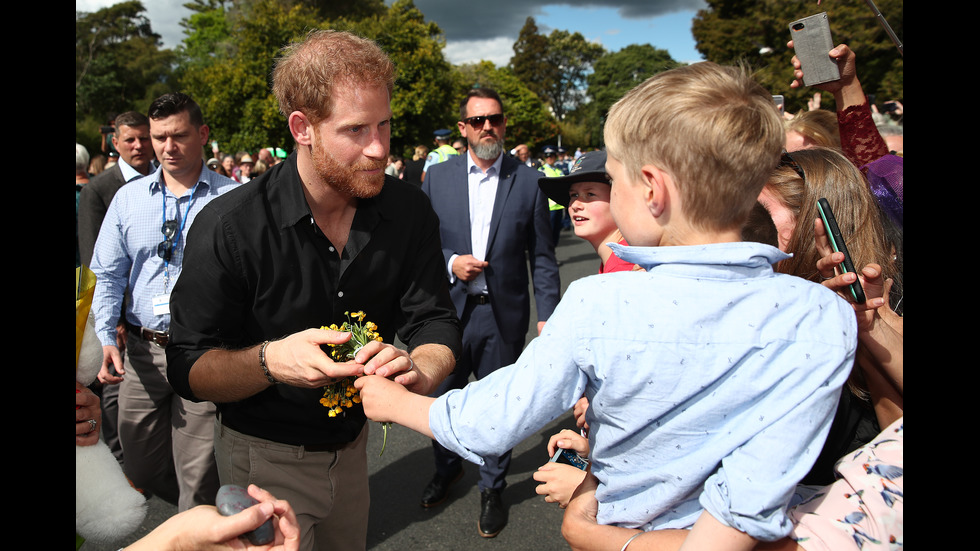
[160,338]
[478,299]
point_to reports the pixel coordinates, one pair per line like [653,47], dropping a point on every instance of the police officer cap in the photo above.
[442,133]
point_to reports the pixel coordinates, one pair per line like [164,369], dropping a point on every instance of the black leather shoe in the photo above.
[438,490]
[493,517]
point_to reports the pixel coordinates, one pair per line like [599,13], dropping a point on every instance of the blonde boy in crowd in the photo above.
[712,380]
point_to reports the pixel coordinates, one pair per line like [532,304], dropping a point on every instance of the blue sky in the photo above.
[671,32]
[487,30]
[605,25]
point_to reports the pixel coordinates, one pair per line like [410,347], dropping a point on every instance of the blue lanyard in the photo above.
[180,229]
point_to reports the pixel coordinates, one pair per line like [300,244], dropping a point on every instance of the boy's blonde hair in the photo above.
[712,128]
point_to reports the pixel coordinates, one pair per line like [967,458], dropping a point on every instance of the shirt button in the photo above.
[340,293]
[332,249]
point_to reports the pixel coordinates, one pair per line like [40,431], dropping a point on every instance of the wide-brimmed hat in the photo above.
[590,167]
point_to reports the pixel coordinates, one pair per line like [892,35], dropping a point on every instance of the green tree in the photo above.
[573,56]
[208,34]
[227,60]
[529,62]
[119,66]
[556,67]
[228,56]
[335,9]
[755,32]
[619,72]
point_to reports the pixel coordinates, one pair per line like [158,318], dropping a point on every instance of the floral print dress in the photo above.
[864,508]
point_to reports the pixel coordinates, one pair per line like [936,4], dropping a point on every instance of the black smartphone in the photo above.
[837,242]
[569,457]
[233,499]
[812,43]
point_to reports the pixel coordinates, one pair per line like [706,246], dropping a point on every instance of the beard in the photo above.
[487,150]
[348,179]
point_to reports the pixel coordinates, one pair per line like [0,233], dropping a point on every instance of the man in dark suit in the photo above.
[493,221]
[132,140]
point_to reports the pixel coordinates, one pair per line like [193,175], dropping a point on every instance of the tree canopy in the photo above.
[755,32]
[555,67]
[119,66]
[619,72]
[228,56]
[226,66]
[557,84]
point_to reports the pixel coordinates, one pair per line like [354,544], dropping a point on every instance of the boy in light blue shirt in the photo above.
[712,380]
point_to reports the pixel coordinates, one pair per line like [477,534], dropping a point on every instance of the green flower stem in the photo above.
[384,442]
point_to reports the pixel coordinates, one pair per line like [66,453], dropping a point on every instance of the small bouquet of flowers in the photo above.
[342,394]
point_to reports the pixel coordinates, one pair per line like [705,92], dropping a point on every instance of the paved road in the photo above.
[397,522]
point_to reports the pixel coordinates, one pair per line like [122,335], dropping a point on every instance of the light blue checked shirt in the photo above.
[125,261]
[712,383]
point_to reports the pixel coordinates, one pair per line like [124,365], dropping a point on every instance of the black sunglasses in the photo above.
[787,160]
[165,249]
[478,122]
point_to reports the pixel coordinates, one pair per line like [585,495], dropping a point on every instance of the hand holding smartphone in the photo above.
[232,499]
[837,242]
[812,43]
[780,103]
[569,457]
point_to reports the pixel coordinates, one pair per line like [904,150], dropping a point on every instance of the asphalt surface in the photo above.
[397,478]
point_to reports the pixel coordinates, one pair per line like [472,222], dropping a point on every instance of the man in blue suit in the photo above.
[493,221]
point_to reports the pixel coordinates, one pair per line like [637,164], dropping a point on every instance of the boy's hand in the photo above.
[389,402]
[558,482]
[378,396]
[581,406]
[568,440]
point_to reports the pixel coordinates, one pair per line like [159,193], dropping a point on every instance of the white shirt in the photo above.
[482,190]
[128,172]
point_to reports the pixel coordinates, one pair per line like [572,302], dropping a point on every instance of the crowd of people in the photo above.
[730,391]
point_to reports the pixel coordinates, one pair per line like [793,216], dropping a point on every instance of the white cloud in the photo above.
[497,50]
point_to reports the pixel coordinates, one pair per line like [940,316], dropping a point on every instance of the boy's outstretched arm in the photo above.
[388,401]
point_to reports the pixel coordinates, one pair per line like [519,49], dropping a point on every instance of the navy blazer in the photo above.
[520,233]
[93,203]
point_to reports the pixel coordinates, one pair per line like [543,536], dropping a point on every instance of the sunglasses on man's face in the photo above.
[165,249]
[478,122]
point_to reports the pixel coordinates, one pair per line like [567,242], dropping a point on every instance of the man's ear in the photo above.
[655,184]
[204,131]
[301,128]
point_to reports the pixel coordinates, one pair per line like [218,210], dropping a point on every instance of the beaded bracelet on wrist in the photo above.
[265,368]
